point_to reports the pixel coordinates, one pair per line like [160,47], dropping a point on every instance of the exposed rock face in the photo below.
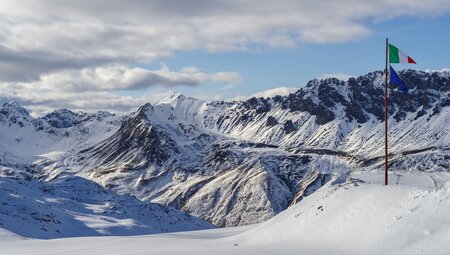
[271,121]
[136,142]
[14,113]
[288,127]
[64,118]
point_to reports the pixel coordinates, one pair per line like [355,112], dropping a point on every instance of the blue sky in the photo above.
[425,39]
[91,55]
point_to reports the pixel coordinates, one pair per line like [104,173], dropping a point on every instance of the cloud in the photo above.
[279,91]
[120,77]
[44,36]
[80,54]
[340,76]
[39,103]
[92,89]
[444,69]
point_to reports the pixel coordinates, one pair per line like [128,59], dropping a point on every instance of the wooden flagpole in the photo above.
[386,118]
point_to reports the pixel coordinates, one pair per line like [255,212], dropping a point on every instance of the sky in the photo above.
[117,55]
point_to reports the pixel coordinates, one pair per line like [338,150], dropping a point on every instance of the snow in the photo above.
[78,207]
[359,216]
[217,169]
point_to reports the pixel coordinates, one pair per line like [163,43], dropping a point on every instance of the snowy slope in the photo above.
[352,217]
[363,218]
[78,207]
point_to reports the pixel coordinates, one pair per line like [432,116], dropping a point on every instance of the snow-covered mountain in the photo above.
[68,205]
[64,118]
[236,163]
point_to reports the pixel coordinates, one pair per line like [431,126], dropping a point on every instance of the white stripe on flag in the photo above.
[402,57]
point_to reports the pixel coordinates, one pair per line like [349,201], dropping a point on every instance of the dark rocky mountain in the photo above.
[14,113]
[64,118]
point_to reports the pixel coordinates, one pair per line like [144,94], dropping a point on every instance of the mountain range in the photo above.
[228,163]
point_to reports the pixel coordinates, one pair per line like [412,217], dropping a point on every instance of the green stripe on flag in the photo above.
[393,54]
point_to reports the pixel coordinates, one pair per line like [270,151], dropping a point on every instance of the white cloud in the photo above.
[41,102]
[42,36]
[340,76]
[120,77]
[279,91]
[283,41]
[444,69]
[92,89]
[75,54]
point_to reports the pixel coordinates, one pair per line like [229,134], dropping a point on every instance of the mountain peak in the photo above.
[64,118]
[172,98]
[13,108]
[177,100]
[12,103]
[143,110]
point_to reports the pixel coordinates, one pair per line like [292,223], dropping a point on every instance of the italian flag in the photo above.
[397,56]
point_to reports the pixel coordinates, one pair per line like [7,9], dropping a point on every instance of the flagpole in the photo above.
[386,118]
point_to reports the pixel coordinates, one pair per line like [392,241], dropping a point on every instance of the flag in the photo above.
[394,79]
[397,56]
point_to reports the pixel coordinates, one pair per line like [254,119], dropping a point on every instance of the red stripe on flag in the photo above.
[411,61]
